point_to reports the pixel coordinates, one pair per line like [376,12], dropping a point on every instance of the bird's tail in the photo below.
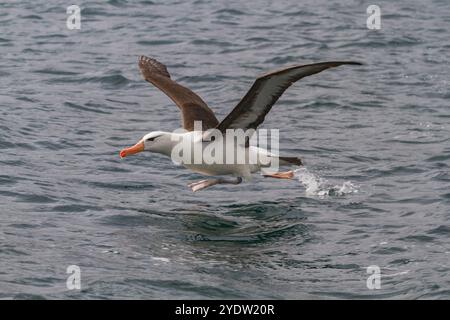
[290,161]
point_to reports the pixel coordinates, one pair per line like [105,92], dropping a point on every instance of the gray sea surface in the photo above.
[375,190]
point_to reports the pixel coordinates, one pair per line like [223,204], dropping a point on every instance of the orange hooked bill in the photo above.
[138,147]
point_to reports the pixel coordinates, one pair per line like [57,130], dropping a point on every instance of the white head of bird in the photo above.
[155,141]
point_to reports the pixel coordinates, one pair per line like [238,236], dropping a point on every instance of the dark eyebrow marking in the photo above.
[153,138]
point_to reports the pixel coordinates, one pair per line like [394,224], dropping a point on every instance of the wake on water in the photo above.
[318,186]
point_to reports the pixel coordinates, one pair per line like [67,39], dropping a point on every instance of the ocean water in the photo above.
[375,190]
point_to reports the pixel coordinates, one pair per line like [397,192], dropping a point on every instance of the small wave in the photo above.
[158,42]
[90,11]
[231,12]
[117,3]
[112,81]
[53,71]
[211,42]
[84,108]
[318,186]
[32,17]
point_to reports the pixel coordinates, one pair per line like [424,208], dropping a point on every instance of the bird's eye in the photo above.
[152,139]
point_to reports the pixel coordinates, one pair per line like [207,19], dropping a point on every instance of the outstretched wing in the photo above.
[266,90]
[192,107]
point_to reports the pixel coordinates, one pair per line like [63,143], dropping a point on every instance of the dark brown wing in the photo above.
[192,107]
[252,109]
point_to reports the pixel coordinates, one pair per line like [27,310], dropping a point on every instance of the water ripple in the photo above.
[374,139]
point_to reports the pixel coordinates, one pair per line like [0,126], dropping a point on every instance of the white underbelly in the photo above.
[247,163]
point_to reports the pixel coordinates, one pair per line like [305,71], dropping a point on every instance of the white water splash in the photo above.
[317,186]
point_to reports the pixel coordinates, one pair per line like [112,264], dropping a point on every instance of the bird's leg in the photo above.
[196,186]
[280,175]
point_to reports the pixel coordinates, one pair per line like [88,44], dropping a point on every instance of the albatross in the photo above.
[248,114]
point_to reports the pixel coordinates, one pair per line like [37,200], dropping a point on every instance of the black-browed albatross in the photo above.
[248,114]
